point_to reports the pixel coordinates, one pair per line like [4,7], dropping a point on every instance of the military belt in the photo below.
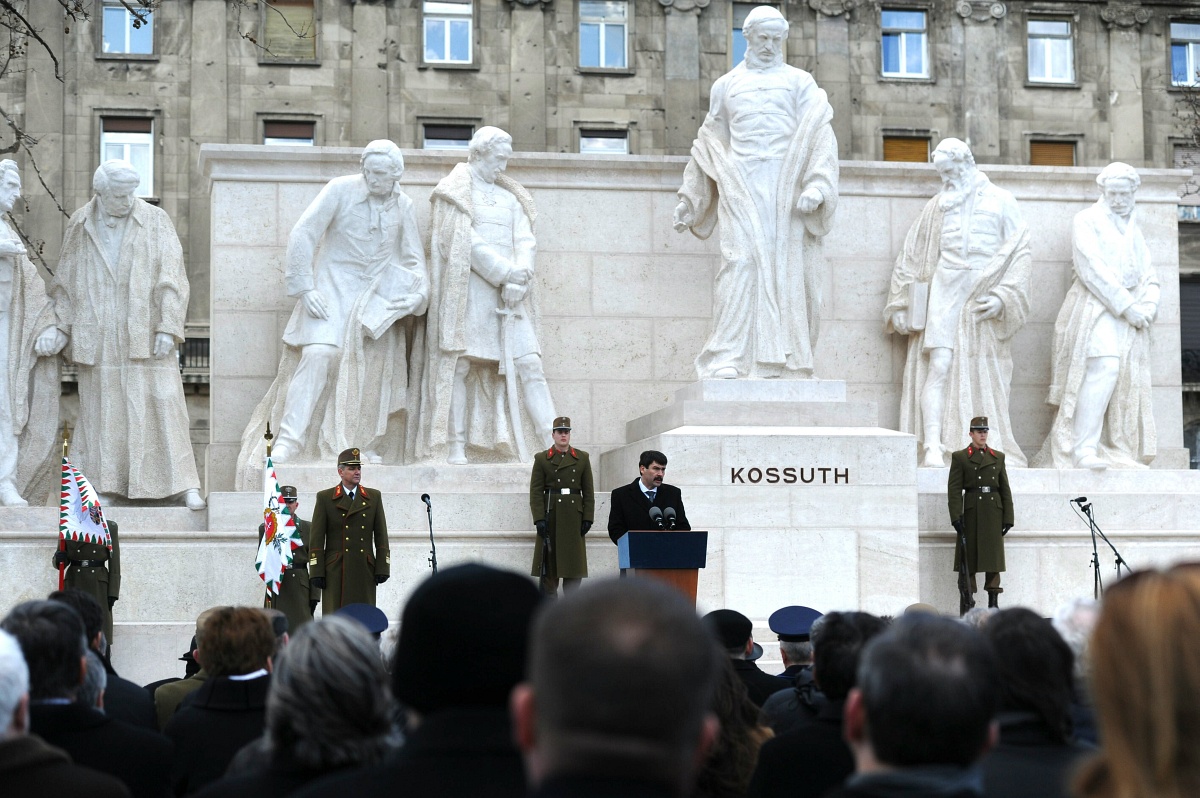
[88,563]
[563,491]
[294,567]
[982,489]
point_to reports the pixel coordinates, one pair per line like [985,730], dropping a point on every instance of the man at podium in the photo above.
[647,502]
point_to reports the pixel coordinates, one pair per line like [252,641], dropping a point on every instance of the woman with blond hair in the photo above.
[1146,688]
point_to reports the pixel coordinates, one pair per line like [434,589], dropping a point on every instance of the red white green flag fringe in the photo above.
[80,517]
[281,535]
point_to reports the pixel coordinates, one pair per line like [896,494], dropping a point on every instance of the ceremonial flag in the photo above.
[281,535]
[80,517]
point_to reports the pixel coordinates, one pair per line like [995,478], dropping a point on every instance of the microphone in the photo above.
[1080,500]
[669,512]
[425,498]
[656,515]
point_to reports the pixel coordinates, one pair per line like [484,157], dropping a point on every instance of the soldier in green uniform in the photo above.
[348,551]
[981,506]
[297,598]
[563,503]
[92,568]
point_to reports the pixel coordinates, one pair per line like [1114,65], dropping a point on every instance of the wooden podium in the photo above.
[671,556]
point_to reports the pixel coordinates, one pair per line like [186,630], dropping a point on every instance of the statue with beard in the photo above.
[960,290]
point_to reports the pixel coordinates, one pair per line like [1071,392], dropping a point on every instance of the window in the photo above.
[905,44]
[1185,53]
[126,33]
[448,30]
[289,30]
[913,149]
[603,142]
[295,134]
[1052,153]
[602,29]
[130,139]
[1050,48]
[448,137]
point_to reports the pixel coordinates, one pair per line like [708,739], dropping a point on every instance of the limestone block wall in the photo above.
[626,301]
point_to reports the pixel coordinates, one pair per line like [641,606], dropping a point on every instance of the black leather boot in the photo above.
[993,599]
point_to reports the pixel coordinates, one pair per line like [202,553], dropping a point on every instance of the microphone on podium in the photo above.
[656,515]
[669,512]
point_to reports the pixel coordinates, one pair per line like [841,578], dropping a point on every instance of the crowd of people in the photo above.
[618,689]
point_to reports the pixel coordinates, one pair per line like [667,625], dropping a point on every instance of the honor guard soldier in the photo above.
[563,503]
[95,570]
[348,552]
[297,597]
[981,509]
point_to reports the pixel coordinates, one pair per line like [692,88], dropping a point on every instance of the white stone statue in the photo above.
[960,290]
[483,385]
[356,264]
[121,294]
[1100,378]
[29,385]
[765,163]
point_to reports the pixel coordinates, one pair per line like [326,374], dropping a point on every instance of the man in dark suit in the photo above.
[734,633]
[96,570]
[348,551]
[985,514]
[297,598]
[51,635]
[632,503]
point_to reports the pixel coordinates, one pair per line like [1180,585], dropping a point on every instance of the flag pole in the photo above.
[62,539]
[268,436]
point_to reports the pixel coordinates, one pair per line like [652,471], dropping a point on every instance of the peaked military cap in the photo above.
[979,423]
[370,617]
[349,457]
[793,624]
[562,422]
[288,492]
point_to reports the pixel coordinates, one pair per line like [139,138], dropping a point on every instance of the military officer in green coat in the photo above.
[297,598]
[563,502]
[348,551]
[95,570]
[981,506]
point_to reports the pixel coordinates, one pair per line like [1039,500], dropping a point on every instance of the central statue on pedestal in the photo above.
[765,162]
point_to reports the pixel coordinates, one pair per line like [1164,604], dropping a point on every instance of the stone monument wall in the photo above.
[626,302]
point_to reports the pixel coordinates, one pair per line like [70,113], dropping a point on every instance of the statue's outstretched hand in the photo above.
[314,303]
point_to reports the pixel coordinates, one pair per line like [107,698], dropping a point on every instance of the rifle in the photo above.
[546,548]
[965,599]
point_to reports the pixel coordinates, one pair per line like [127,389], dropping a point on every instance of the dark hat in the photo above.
[562,422]
[732,629]
[288,492]
[979,422]
[187,655]
[463,636]
[793,624]
[349,457]
[370,616]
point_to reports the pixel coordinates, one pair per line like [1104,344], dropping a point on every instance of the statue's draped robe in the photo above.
[133,437]
[767,138]
[980,374]
[1112,271]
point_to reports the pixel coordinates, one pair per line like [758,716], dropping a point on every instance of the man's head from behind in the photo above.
[51,638]
[89,610]
[621,678]
[1035,666]
[14,688]
[837,647]
[237,641]
[926,695]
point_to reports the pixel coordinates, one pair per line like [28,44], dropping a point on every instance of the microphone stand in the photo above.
[432,558]
[1096,530]
[1097,582]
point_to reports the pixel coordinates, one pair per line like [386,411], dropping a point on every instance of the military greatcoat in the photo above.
[348,546]
[99,581]
[984,513]
[553,473]
[295,591]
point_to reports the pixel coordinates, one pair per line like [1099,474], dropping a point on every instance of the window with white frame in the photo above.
[447,137]
[1185,53]
[905,43]
[292,134]
[603,142]
[130,139]
[1051,51]
[449,29]
[603,28]
[124,31]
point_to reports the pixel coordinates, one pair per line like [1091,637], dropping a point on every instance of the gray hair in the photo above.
[760,15]
[9,165]
[486,139]
[799,652]
[114,171]
[977,617]
[1118,171]
[955,149]
[1074,621]
[387,149]
[95,681]
[329,704]
[14,678]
